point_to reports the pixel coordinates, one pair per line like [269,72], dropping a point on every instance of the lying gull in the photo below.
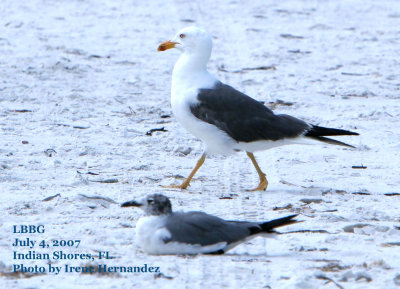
[162,231]
[225,119]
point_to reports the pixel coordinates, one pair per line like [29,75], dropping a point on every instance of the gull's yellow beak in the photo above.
[166,45]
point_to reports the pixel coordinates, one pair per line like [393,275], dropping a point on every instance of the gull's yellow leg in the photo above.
[186,183]
[263,180]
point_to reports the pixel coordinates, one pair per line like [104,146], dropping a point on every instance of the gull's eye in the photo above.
[149,201]
[182,36]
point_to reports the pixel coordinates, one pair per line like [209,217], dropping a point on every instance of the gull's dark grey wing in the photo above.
[244,118]
[201,228]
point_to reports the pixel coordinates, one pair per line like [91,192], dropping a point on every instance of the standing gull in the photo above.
[162,231]
[225,119]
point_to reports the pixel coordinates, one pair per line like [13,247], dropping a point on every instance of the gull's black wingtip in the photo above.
[317,131]
[271,225]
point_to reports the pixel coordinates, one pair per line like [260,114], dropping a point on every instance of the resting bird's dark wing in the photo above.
[201,228]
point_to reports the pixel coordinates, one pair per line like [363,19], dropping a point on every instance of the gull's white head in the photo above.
[190,40]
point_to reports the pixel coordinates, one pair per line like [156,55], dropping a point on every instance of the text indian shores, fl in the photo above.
[29,243]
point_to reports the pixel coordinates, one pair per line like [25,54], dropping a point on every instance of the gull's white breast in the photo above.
[184,93]
[151,233]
